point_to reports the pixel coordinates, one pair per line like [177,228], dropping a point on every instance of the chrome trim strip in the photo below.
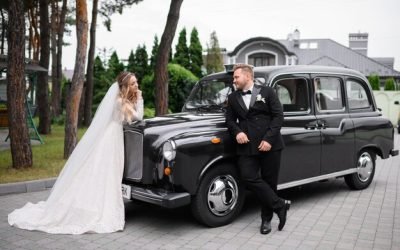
[205,132]
[316,178]
[209,165]
[313,73]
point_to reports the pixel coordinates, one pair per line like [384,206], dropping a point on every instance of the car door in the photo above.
[302,153]
[334,122]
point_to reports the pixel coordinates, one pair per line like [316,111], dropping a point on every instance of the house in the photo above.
[263,51]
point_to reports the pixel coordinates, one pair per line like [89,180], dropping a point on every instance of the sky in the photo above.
[236,20]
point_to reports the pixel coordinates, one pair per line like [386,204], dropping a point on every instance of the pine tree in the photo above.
[195,53]
[181,56]
[214,62]
[114,65]
[131,62]
[101,82]
[154,52]
[141,62]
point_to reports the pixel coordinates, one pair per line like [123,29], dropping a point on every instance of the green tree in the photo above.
[195,53]
[102,81]
[131,62]
[109,8]
[214,62]
[154,52]
[114,65]
[390,84]
[181,56]
[21,151]
[42,90]
[161,70]
[141,62]
[78,78]
[374,81]
[181,81]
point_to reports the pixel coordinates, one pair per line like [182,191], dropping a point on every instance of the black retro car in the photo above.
[332,128]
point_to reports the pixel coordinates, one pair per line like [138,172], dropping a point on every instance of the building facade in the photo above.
[264,51]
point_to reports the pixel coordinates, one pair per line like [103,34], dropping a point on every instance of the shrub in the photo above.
[149,112]
[180,84]
[374,81]
[389,84]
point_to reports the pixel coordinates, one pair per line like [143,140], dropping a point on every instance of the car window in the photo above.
[328,94]
[293,94]
[357,95]
[214,92]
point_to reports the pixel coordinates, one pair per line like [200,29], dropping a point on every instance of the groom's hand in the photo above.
[264,146]
[241,138]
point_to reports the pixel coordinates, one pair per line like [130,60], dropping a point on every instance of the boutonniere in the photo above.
[259,98]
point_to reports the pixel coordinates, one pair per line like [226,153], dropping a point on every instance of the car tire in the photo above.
[365,171]
[219,198]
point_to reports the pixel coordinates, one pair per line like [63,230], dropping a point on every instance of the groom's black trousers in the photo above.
[260,174]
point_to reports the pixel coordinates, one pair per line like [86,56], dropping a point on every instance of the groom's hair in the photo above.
[245,68]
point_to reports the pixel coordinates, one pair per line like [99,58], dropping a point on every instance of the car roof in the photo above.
[273,71]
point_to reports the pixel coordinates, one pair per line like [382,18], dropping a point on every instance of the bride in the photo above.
[87,195]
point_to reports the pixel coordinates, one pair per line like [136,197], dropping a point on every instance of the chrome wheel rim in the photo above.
[365,166]
[222,195]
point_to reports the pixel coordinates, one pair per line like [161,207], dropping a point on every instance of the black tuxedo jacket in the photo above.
[262,121]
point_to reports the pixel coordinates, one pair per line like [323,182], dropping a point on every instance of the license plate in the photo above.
[126,191]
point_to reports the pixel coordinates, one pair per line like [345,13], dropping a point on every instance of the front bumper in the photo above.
[394,152]
[160,197]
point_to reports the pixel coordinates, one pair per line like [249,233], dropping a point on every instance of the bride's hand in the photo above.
[139,94]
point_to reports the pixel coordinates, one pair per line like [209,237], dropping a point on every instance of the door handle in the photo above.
[321,124]
[315,125]
[311,125]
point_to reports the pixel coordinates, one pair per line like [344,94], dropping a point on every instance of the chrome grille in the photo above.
[133,169]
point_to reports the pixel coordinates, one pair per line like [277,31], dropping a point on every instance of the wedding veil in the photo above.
[107,113]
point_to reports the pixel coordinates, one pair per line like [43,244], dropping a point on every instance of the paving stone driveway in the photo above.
[324,215]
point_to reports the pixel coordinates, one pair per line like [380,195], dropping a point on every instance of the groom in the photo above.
[254,117]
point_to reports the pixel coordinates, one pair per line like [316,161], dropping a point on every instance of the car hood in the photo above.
[174,126]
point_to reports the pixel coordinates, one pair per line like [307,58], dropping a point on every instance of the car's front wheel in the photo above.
[219,198]
[365,171]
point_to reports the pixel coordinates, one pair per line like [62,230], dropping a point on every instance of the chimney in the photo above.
[359,42]
[296,38]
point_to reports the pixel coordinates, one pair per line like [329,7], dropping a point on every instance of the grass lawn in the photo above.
[47,158]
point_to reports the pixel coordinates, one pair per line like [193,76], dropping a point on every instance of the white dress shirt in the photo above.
[247,98]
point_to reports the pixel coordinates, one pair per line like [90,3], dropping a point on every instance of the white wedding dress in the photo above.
[87,195]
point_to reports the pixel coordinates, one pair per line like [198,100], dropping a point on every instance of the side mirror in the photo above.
[380,110]
[396,103]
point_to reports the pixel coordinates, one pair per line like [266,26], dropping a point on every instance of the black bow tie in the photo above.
[248,92]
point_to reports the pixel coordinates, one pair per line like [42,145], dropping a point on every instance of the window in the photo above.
[303,45]
[313,45]
[209,93]
[310,45]
[293,94]
[357,95]
[261,59]
[328,94]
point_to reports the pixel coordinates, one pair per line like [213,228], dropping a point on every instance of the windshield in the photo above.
[210,95]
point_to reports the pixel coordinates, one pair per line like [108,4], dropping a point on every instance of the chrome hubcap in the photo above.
[222,195]
[365,166]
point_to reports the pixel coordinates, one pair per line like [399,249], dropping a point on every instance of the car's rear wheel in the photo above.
[365,171]
[219,198]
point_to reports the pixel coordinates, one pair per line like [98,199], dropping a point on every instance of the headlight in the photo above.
[169,150]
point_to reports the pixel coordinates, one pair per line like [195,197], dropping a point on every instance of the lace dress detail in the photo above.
[87,195]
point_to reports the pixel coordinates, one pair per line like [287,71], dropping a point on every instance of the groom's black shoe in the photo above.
[265,227]
[282,212]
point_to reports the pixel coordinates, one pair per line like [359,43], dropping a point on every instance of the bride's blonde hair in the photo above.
[127,96]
